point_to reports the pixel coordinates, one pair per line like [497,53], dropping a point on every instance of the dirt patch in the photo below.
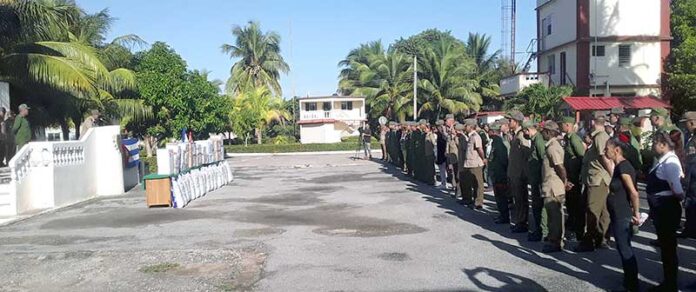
[258,232]
[56,240]
[130,217]
[332,220]
[395,256]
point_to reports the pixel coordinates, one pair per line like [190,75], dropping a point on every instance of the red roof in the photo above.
[481,114]
[581,103]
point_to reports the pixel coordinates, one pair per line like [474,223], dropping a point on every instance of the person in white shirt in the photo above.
[665,193]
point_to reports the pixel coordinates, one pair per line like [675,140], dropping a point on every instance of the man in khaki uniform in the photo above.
[452,151]
[553,186]
[471,162]
[597,183]
[520,149]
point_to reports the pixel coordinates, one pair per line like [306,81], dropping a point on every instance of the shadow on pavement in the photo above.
[510,282]
[601,268]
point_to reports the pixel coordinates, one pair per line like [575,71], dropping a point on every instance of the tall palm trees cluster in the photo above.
[55,57]
[254,82]
[453,76]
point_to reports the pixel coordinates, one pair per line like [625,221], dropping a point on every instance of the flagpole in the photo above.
[415,88]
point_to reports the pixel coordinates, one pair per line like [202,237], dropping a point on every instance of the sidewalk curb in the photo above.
[296,153]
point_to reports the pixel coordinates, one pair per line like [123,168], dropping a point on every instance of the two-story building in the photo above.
[327,119]
[604,47]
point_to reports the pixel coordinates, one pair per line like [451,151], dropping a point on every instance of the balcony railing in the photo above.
[355,114]
[515,83]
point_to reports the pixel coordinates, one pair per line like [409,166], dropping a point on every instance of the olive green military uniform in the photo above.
[418,154]
[429,159]
[405,149]
[690,180]
[520,149]
[538,152]
[497,170]
[553,189]
[452,153]
[597,182]
[575,202]
[22,131]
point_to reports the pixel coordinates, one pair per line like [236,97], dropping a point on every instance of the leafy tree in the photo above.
[446,81]
[477,47]
[256,109]
[419,45]
[180,99]
[681,65]
[260,62]
[540,100]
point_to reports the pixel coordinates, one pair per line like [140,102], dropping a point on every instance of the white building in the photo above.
[327,119]
[604,47]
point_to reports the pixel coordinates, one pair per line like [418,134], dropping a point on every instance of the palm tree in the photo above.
[477,46]
[384,78]
[446,81]
[260,62]
[261,108]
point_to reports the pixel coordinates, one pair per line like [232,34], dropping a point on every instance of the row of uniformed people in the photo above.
[559,168]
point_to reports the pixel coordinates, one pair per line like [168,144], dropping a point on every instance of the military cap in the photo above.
[459,127]
[528,124]
[659,112]
[551,126]
[515,115]
[23,106]
[637,120]
[567,120]
[392,123]
[599,116]
[625,121]
[617,110]
[439,122]
[688,116]
[422,122]
[449,116]
[495,126]
[470,122]
[503,121]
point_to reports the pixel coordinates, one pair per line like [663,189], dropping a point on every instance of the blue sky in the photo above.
[323,31]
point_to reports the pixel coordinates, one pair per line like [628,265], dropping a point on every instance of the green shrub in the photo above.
[150,163]
[283,140]
[295,147]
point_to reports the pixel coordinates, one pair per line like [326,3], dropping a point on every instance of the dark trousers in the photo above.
[666,214]
[622,229]
[471,181]
[575,203]
[690,201]
[539,224]
[502,200]
[520,197]
[429,170]
[3,157]
[10,150]
[454,178]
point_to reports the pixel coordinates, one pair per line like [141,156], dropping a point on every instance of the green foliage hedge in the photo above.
[295,147]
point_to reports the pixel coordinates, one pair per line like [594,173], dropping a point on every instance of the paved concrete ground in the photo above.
[298,223]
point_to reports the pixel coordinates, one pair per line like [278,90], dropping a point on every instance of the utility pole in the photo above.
[415,88]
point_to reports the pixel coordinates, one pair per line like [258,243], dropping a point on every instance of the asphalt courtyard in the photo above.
[303,223]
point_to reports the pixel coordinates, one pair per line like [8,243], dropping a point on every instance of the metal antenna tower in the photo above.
[505,28]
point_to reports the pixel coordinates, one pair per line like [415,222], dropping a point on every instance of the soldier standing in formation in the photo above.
[689,120]
[520,149]
[597,184]
[554,186]
[573,156]
[538,151]
[497,171]
[471,162]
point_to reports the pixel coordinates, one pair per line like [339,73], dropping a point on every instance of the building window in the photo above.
[326,106]
[347,105]
[598,51]
[624,55]
[551,59]
[311,106]
[549,26]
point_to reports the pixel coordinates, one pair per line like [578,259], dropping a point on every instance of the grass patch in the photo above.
[159,268]
[296,147]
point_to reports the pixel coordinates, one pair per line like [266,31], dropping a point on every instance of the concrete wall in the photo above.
[624,17]
[562,15]
[571,64]
[645,67]
[54,174]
